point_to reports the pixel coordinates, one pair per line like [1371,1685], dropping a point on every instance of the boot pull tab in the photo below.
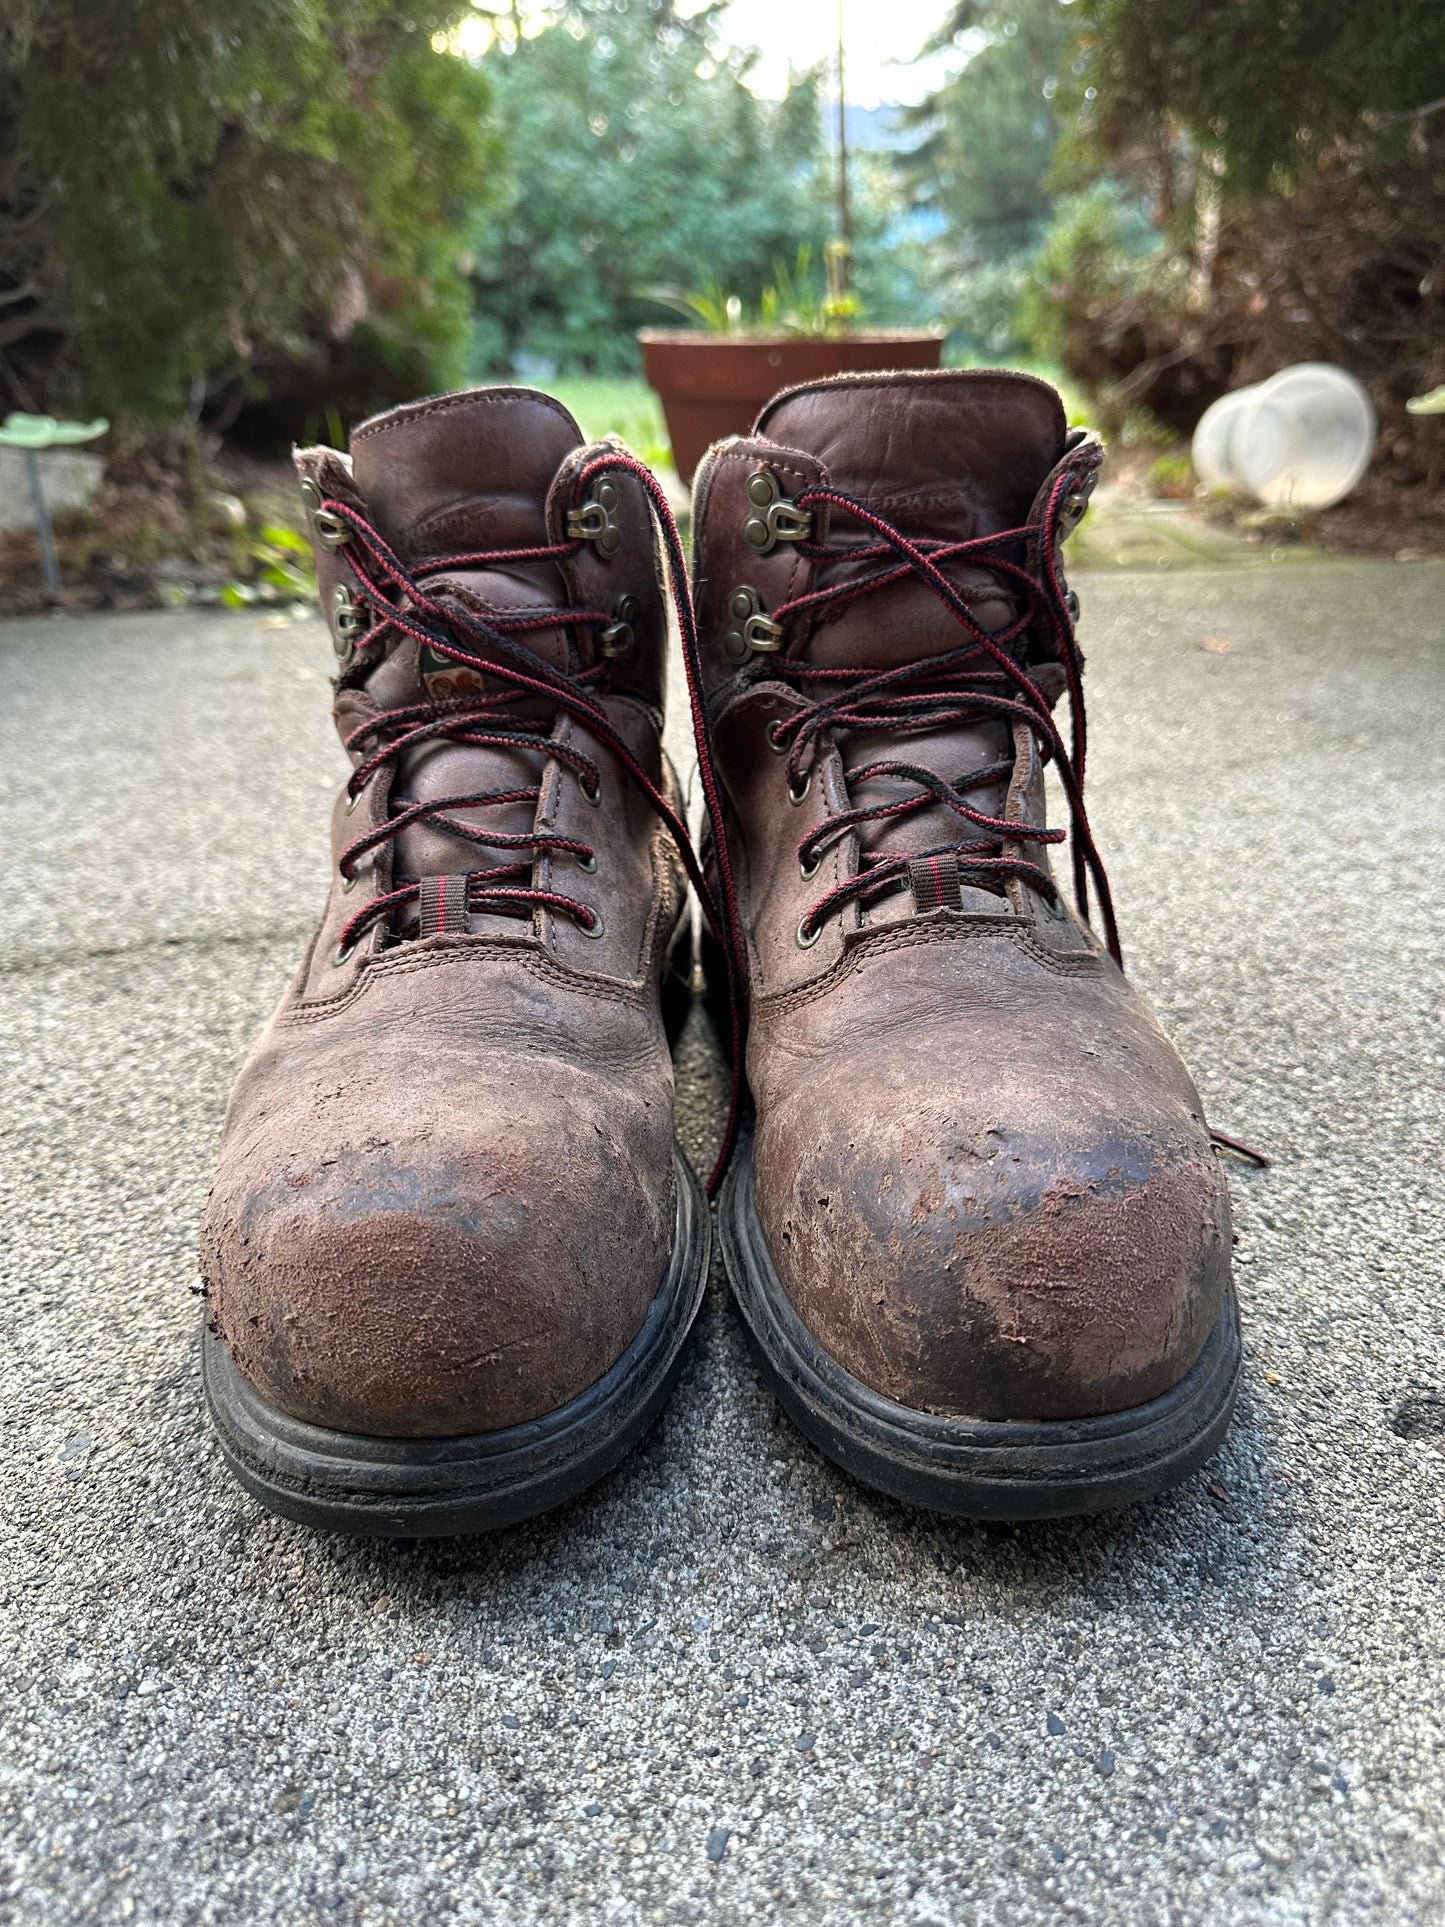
[935,884]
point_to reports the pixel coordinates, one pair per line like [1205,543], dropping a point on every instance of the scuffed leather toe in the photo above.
[449,1279]
[974,1248]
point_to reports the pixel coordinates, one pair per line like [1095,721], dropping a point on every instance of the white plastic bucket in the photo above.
[1302,439]
[1212,449]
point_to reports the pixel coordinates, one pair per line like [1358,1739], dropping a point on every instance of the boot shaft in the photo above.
[949,457]
[490,472]
[871,583]
[476,501]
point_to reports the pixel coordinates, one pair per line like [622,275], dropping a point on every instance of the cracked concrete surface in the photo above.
[729,1685]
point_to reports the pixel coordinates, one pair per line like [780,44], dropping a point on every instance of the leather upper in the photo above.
[982,1173]
[445,1198]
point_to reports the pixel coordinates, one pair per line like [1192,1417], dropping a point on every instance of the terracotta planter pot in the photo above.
[715,385]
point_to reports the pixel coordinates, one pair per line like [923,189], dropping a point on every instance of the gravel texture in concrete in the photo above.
[729,1685]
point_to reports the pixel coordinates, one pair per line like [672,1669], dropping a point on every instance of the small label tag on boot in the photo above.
[444,678]
[442,906]
[935,885]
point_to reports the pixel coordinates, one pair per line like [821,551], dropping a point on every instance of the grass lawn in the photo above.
[617,406]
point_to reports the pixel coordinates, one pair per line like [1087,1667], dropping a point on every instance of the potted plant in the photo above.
[714,377]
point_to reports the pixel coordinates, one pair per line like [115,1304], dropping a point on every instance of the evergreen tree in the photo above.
[984,163]
[188,185]
[982,172]
[1263,86]
[635,157]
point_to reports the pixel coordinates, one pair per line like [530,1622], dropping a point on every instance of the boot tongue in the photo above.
[952,456]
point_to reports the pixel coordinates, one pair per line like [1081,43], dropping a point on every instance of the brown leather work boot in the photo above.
[981,1237]
[452,1251]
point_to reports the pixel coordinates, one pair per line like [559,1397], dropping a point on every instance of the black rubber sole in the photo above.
[977,1468]
[429,1488]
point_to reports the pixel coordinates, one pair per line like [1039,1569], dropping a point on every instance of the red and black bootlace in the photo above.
[516,712]
[485,643]
[984,679]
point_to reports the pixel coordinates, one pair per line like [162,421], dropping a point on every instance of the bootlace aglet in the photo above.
[1241,1150]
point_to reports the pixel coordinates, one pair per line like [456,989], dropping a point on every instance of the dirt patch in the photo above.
[1377,520]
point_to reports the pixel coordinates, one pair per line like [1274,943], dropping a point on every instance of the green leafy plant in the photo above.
[798,302]
[1100,252]
[1171,476]
[717,311]
[282,570]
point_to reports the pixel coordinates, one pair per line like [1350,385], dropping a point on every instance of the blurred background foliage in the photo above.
[631,158]
[231,204]
[265,218]
[636,158]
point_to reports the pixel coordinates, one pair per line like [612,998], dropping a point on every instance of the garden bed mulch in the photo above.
[169,530]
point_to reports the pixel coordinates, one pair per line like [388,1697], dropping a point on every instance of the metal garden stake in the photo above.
[30,434]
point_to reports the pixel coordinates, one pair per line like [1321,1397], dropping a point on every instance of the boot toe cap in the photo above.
[434,1289]
[987,1267]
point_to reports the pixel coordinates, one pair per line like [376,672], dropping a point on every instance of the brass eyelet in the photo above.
[805,942]
[621,634]
[773,518]
[353,799]
[588,864]
[331,530]
[594,797]
[771,732]
[596,520]
[1074,506]
[594,929]
[1071,603]
[348,884]
[340,954]
[807,871]
[348,622]
[800,796]
[753,632]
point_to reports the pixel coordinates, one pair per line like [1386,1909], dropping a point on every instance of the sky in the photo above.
[879,41]
[880,38]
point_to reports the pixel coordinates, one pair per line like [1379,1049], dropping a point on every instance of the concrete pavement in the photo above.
[729,1685]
